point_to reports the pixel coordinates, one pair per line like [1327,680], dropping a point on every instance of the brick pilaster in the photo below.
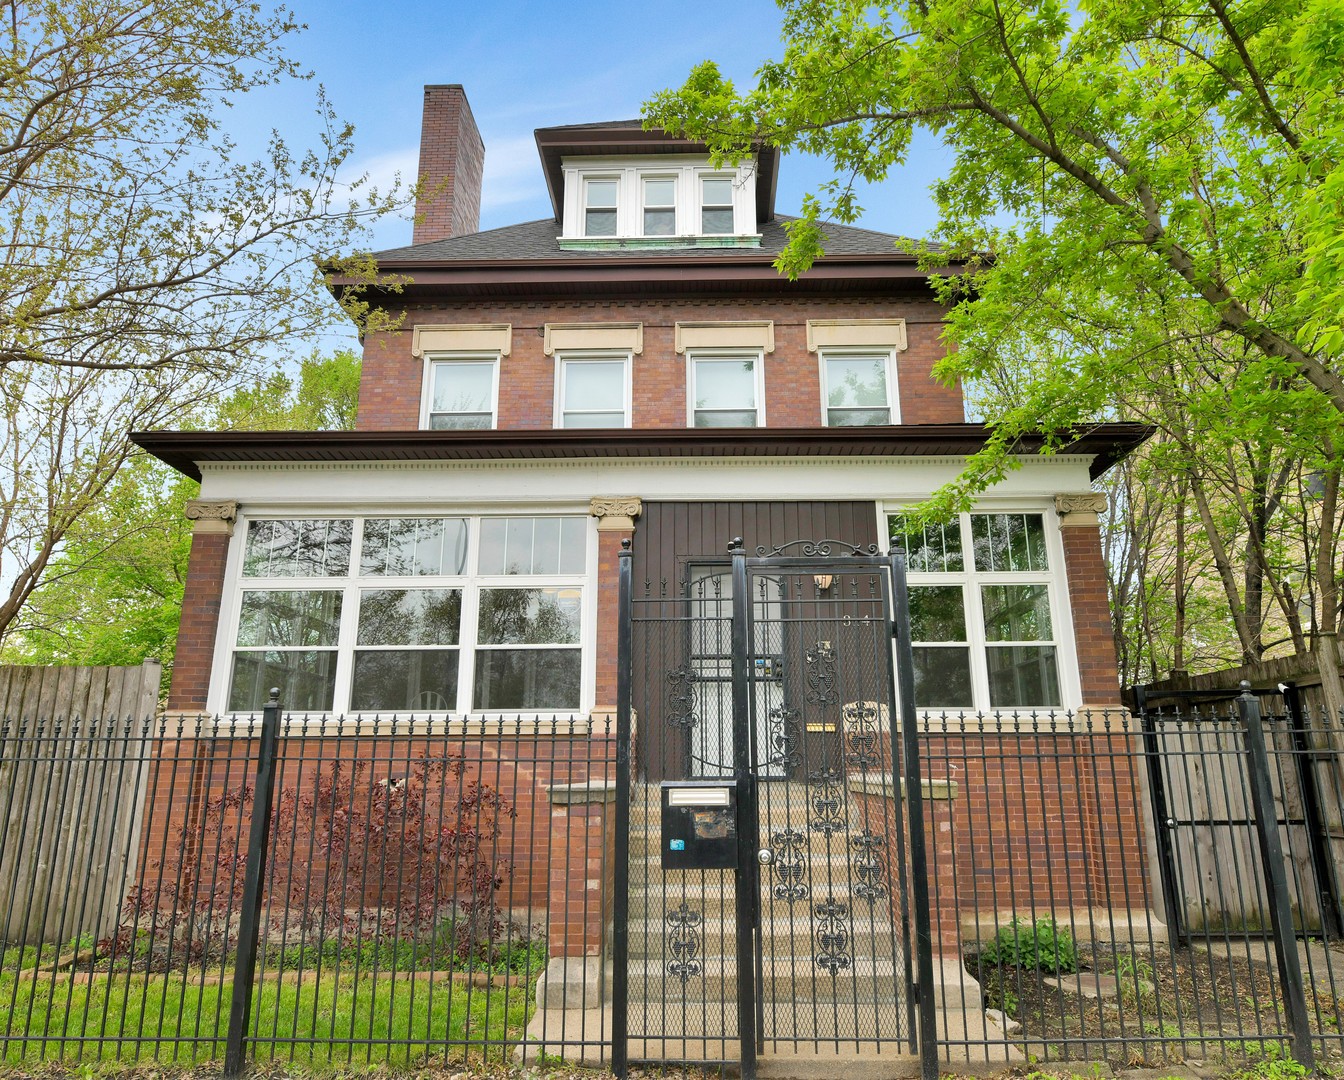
[615,523]
[201,599]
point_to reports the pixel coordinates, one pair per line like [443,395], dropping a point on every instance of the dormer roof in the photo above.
[628,138]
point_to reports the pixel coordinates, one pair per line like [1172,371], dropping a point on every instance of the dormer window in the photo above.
[716,206]
[671,200]
[599,207]
[660,206]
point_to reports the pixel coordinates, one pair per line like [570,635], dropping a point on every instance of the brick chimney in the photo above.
[452,157]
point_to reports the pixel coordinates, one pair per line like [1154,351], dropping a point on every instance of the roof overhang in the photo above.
[682,275]
[614,140]
[188,451]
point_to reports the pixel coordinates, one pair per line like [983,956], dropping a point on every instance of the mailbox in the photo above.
[699,824]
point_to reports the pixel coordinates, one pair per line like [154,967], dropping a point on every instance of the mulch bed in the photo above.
[1168,1000]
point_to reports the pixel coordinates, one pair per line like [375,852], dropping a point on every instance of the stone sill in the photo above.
[880,784]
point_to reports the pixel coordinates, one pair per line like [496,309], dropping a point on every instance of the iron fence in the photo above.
[1102,887]
[415,889]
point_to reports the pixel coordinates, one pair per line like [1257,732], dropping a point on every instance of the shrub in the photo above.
[1038,946]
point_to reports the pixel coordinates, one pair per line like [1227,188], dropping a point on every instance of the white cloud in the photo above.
[512,173]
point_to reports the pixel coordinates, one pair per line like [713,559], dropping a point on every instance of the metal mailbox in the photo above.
[699,824]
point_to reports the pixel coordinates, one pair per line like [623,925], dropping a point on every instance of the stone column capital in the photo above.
[1079,509]
[615,513]
[213,515]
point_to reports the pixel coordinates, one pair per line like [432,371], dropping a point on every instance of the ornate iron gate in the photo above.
[772,674]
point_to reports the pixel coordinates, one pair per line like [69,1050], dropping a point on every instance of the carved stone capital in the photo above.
[615,513]
[212,515]
[1080,509]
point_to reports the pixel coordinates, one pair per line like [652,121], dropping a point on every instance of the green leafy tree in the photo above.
[149,264]
[113,592]
[1160,186]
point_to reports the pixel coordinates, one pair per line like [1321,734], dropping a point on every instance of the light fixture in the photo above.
[822,581]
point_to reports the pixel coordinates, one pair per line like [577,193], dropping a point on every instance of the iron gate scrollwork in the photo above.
[777,671]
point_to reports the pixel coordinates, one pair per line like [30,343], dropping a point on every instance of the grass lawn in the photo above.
[336,1020]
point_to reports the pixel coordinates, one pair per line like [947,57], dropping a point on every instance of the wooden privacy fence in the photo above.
[72,791]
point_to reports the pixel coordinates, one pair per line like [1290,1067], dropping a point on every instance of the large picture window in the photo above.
[982,611]
[411,614]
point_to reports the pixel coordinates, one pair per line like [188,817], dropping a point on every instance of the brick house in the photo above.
[632,368]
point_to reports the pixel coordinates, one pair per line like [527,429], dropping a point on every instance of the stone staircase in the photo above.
[832,963]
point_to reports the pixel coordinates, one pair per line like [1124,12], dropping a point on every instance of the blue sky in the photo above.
[526,65]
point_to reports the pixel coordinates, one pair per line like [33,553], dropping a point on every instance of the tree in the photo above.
[112,593]
[148,264]
[1160,186]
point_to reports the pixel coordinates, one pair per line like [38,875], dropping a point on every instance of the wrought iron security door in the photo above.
[779,677]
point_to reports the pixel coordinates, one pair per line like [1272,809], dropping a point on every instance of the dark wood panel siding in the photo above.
[669,536]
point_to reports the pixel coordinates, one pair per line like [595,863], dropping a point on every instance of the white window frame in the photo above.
[893,393]
[644,179]
[601,178]
[613,358]
[687,171]
[757,356]
[969,580]
[701,177]
[353,583]
[436,360]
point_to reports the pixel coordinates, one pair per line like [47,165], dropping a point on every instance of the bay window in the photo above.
[426,614]
[983,604]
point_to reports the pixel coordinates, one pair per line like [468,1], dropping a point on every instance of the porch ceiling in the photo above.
[186,451]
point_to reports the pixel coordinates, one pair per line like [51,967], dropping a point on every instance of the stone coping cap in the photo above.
[880,784]
[585,791]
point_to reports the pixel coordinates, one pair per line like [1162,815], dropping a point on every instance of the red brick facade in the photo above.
[1089,601]
[201,599]
[391,382]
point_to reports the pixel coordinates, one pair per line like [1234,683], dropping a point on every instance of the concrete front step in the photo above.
[788,978]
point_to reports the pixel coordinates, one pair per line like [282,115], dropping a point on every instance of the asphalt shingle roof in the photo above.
[537,240]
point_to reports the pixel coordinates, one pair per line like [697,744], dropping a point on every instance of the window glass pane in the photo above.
[725,384]
[507,545]
[409,616]
[1009,542]
[660,222]
[305,617]
[527,679]
[601,193]
[307,680]
[529,616]
[460,422]
[1016,612]
[716,222]
[1022,675]
[660,192]
[301,548]
[594,420]
[463,388]
[726,419]
[937,613]
[932,549]
[942,678]
[854,382]
[599,223]
[594,385]
[412,547]
[422,679]
[857,417]
[716,192]
[545,545]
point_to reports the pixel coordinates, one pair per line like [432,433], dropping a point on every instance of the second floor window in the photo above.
[462,394]
[593,392]
[856,389]
[725,391]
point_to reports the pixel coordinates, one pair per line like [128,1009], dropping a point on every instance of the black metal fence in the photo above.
[1104,882]
[409,891]
[1101,885]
